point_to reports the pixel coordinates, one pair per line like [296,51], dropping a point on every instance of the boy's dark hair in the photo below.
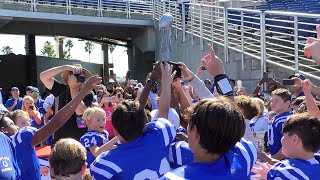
[3,123]
[298,101]
[219,123]
[285,94]
[307,127]
[128,120]
[250,109]
[67,157]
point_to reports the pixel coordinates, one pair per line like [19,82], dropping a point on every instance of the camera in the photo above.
[80,77]
[175,67]
[31,107]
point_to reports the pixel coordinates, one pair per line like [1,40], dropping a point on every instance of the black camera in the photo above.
[175,67]
[31,107]
[80,77]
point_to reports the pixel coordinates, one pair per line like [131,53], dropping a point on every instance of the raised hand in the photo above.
[262,172]
[72,82]
[187,74]
[74,69]
[312,47]
[166,75]
[156,72]
[212,63]
[307,86]
[91,83]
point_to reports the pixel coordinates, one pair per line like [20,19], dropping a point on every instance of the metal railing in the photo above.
[272,37]
[277,38]
[145,7]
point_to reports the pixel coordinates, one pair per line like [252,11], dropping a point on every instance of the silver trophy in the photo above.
[165,26]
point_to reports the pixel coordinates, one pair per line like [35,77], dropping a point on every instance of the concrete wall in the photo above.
[190,54]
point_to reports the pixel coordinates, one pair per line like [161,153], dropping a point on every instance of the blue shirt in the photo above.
[26,155]
[180,154]
[39,105]
[295,169]
[93,138]
[275,132]
[34,123]
[8,162]
[10,102]
[235,164]
[142,158]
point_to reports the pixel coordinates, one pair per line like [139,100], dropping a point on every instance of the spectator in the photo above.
[35,94]
[106,103]
[68,160]
[260,122]
[75,127]
[29,90]
[118,93]
[29,107]
[110,87]
[153,96]
[297,88]
[15,102]
[296,103]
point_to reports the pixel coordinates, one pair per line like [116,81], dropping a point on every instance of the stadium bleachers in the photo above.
[282,24]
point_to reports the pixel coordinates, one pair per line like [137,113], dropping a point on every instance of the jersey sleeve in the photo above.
[180,154]
[248,152]
[8,103]
[89,140]
[25,135]
[104,169]
[162,128]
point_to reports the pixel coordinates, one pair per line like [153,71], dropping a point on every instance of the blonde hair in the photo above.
[260,105]
[18,113]
[34,107]
[67,157]
[88,113]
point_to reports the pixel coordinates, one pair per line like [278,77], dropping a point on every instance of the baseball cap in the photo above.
[34,89]
[173,117]
[300,76]
[14,88]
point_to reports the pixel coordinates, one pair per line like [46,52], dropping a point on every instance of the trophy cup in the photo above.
[165,26]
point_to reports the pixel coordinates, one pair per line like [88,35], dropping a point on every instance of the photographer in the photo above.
[73,77]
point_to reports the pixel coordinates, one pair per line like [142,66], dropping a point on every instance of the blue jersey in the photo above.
[93,138]
[142,158]
[180,154]
[26,155]
[10,102]
[235,164]
[8,163]
[275,132]
[295,169]
[34,123]
[39,105]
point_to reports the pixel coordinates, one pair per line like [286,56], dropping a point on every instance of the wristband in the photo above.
[223,85]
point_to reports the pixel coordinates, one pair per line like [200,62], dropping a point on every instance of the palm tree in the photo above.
[6,50]
[89,46]
[69,45]
[48,49]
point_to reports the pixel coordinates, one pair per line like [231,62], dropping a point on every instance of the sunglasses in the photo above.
[34,92]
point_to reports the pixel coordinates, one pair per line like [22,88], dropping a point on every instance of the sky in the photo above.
[120,58]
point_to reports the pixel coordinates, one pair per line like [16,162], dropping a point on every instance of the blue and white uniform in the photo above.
[8,162]
[180,154]
[93,138]
[295,169]
[26,155]
[142,158]
[275,132]
[235,164]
